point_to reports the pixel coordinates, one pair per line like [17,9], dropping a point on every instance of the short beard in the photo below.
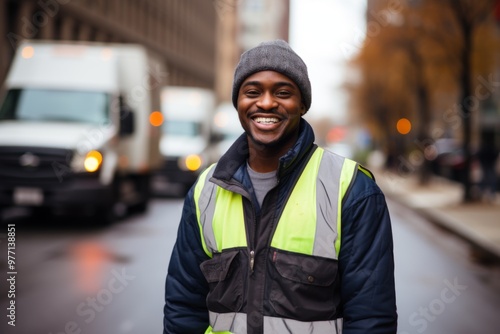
[277,144]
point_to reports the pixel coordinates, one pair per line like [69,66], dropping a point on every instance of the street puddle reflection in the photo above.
[92,261]
[90,258]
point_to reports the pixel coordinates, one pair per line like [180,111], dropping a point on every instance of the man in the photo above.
[281,236]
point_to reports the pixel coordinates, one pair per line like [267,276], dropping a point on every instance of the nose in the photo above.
[267,101]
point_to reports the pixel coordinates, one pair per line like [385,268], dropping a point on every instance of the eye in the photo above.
[283,93]
[252,93]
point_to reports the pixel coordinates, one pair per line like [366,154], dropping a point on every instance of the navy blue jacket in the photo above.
[366,264]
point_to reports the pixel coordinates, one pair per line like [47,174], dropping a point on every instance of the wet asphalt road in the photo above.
[74,278]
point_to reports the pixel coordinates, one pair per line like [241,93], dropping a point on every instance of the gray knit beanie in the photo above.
[275,56]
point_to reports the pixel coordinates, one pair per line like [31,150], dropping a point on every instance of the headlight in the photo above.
[191,162]
[92,161]
[89,162]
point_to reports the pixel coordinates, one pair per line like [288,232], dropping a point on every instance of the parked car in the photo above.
[448,160]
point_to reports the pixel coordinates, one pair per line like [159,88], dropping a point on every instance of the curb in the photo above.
[489,251]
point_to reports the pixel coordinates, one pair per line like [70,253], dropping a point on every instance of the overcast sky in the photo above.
[325,33]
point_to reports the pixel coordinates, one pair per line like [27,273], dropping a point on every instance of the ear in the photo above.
[302,109]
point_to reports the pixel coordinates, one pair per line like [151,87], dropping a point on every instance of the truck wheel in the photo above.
[144,188]
[105,215]
[108,213]
[41,212]
[185,190]
[141,207]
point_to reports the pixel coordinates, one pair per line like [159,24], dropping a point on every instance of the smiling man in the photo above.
[281,236]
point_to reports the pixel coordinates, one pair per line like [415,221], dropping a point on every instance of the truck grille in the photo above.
[33,165]
[170,166]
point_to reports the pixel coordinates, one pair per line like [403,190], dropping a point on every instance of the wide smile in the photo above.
[266,123]
[266,120]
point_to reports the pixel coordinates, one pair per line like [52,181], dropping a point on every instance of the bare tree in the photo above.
[432,46]
[469,14]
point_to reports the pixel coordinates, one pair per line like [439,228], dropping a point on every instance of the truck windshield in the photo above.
[181,128]
[55,105]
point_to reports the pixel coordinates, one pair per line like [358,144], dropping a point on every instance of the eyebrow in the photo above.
[277,84]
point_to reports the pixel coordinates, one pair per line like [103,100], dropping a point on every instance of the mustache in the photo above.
[270,112]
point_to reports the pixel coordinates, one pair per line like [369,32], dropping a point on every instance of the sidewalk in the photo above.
[441,203]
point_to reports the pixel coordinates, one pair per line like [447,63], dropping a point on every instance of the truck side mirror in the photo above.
[126,121]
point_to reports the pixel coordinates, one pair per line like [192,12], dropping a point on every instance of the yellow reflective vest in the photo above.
[291,285]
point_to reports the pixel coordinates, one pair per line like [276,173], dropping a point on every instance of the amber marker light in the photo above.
[403,126]
[28,52]
[193,162]
[92,161]
[156,118]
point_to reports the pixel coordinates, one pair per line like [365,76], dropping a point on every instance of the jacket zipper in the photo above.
[251,244]
[252,260]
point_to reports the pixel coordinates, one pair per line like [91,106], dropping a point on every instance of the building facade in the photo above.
[200,41]
[183,33]
[242,25]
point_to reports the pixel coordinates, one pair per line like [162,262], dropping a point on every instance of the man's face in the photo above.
[269,108]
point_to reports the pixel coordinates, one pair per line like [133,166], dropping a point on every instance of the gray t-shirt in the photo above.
[262,183]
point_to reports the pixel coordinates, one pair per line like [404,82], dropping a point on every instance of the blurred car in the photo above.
[447,158]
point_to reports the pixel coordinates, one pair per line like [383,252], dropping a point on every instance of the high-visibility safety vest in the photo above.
[304,249]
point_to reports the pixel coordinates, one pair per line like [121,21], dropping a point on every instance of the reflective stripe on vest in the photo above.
[236,323]
[317,197]
[222,225]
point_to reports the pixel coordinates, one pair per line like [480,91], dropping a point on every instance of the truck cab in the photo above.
[186,141]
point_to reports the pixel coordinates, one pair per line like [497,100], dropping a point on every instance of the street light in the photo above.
[403,126]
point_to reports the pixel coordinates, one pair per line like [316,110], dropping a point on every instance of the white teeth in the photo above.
[266,120]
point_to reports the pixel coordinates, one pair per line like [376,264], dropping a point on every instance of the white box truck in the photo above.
[75,130]
[186,141]
[227,127]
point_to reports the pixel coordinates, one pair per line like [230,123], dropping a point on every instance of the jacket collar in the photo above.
[237,155]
